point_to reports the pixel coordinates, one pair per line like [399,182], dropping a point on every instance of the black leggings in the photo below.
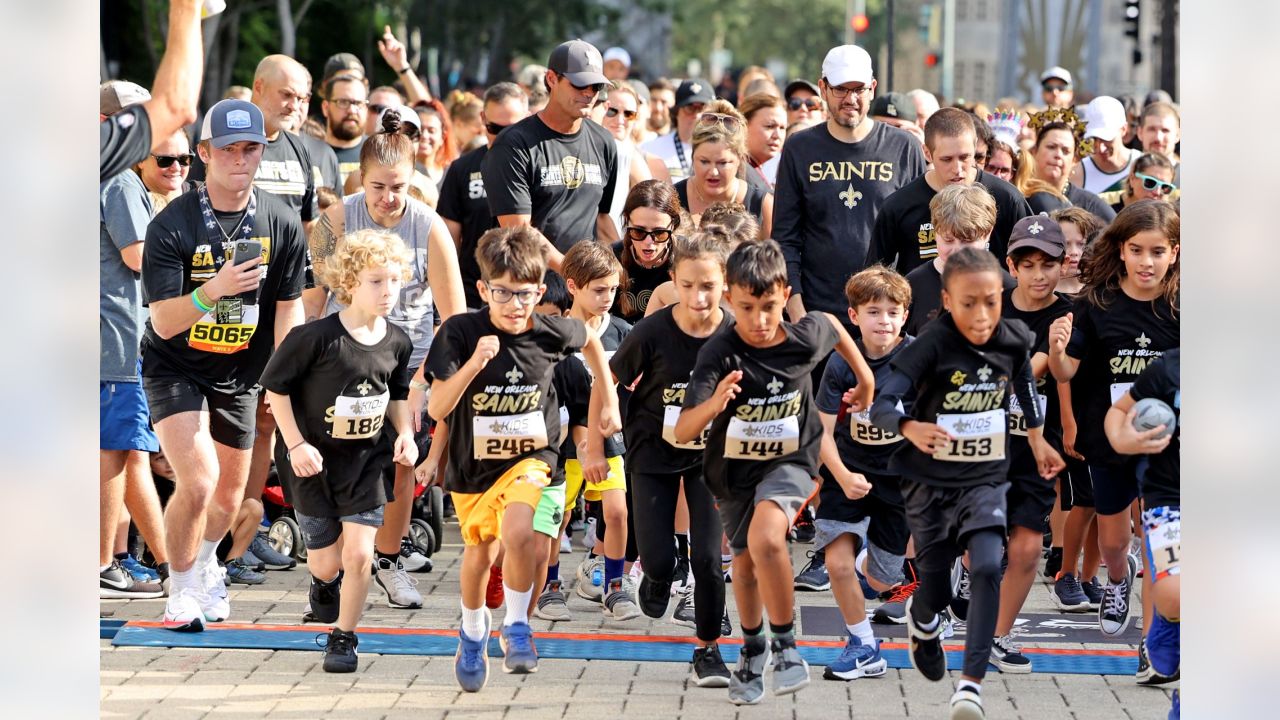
[656,496]
[986,547]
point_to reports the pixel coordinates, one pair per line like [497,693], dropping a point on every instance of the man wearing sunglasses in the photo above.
[673,148]
[554,170]
[1055,88]
[345,109]
[804,102]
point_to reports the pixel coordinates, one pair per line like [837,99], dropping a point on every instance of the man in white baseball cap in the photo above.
[617,63]
[1106,168]
[1055,87]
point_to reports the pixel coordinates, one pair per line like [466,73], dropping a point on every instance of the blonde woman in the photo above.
[719,162]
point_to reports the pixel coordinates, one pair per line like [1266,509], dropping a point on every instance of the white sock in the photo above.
[962,684]
[104,568]
[208,548]
[862,631]
[473,622]
[931,625]
[517,605]
[860,562]
[182,579]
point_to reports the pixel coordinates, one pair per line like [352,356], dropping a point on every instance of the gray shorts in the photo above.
[883,565]
[788,486]
[319,533]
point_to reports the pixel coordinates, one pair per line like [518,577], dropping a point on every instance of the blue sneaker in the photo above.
[471,662]
[857,661]
[138,571]
[1175,712]
[517,647]
[1164,646]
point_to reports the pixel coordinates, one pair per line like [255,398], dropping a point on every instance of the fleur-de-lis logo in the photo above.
[774,386]
[1035,228]
[850,197]
[957,378]
[364,387]
[514,375]
[984,372]
[1143,341]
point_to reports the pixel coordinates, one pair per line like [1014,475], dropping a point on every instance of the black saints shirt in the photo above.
[463,200]
[1160,475]
[1022,463]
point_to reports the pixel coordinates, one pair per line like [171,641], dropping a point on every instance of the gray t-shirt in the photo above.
[124,210]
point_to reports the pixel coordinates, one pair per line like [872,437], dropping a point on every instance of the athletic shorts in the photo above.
[232,418]
[124,423]
[1115,487]
[1163,541]
[576,484]
[950,515]
[1030,501]
[786,485]
[550,511]
[1077,485]
[480,514]
[319,533]
[883,564]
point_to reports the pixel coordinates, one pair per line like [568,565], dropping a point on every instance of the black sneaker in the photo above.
[726,627]
[1092,590]
[683,575]
[814,576]
[960,589]
[114,582]
[1007,655]
[1053,563]
[804,531]
[653,596]
[1113,615]
[927,655]
[340,651]
[684,613]
[708,669]
[324,599]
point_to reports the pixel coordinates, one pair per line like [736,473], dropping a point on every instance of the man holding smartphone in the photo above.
[215,317]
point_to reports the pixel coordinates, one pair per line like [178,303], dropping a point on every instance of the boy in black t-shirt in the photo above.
[761,456]
[491,381]
[954,470]
[330,386]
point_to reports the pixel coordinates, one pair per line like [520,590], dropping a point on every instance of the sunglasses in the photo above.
[613,112]
[810,103]
[638,234]
[729,122]
[376,108]
[494,128]
[597,88]
[1054,87]
[1148,183]
[166,161]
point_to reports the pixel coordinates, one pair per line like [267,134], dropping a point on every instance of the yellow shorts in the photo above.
[480,514]
[574,480]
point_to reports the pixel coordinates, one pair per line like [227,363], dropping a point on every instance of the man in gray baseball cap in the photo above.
[579,62]
[232,121]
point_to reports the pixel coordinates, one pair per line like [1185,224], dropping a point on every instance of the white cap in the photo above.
[406,113]
[1057,72]
[1105,117]
[619,54]
[846,64]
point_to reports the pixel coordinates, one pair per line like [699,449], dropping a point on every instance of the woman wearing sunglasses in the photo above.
[650,218]
[618,115]
[1151,178]
[766,130]
[719,167]
[165,171]
[408,124]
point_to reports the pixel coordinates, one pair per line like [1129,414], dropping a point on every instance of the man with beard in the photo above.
[346,103]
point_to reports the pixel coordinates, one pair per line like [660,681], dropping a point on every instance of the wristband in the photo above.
[424,387]
[406,69]
[295,447]
[195,300]
[205,297]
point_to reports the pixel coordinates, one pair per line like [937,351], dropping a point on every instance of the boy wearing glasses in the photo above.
[492,375]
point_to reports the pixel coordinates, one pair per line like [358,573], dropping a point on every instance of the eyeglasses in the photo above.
[980,159]
[1148,183]
[638,234]
[502,296]
[840,92]
[494,128]
[377,108]
[166,161]
[1000,172]
[729,122]
[347,103]
[613,112]
[809,103]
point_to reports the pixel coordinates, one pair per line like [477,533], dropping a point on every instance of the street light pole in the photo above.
[948,50]
[888,73]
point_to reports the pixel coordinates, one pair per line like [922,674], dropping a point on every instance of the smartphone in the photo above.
[246,250]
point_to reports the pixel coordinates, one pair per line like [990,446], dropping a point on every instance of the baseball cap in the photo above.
[342,62]
[619,54]
[796,85]
[407,115]
[231,121]
[642,90]
[1105,117]
[116,95]
[1056,73]
[694,90]
[1039,232]
[894,105]
[846,64]
[579,61]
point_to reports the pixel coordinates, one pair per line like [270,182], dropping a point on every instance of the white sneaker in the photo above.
[566,545]
[182,611]
[402,591]
[213,595]
[589,534]
[591,572]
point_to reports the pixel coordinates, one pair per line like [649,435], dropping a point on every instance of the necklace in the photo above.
[227,235]
[733,192]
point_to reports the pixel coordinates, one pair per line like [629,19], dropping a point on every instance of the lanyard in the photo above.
[684,164]
[760,171]
[216,237]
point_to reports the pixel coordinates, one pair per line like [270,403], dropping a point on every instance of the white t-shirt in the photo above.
[664,147]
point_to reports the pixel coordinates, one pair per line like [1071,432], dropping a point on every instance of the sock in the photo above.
[971,685]
[682,545]
[104,568]
[208,548]
[517,605]
[862,631]
[121,556]
[553,572]
[182,579]
[860,562]
[726,562]
[782,629]
[391,558]
[326,583]
[931,625]
[612,569]
[753,639]
[473,623]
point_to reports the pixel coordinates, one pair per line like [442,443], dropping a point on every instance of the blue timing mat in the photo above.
[568,646]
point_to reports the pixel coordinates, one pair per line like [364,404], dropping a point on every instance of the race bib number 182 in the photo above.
[357,418]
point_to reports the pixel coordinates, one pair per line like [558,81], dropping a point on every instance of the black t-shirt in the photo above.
[124,139]
[562,181]
[339,390]
[1045,203]
[863,447]
[572,384]
[641,282]
[1160,475]
[661,356]
[965,389]
[772,421]
[1022,462]
[348,162]
[462,200]
[612,335]
[179,259]
[753,201]
[324,164]
[285,171]
[511,402]
[825,204]
[904,235]
[926,296]
[1114,345]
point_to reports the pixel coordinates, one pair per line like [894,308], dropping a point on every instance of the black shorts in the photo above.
[888,519]
[1115,487]
[948,516]
[1077,486]
[1030,500]
[232,418]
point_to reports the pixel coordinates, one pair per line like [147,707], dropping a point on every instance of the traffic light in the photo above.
[931,59]
[860,23]
[1133,19]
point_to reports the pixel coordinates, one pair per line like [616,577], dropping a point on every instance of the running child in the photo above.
[491,375]
[331,384]
[954,472]
[761,455]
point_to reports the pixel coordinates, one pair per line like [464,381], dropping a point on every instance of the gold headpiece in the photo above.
[1068,117]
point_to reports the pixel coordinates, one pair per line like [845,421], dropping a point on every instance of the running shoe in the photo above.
[1113,615]
[857,661]
[411,559]
[471,661]
[966,704]
[589,534]
[707,668]
[1068,594]
[401,590]
[804,531]
[894,610]
[493,592]
[726,627]
[1164,648]
[683,575]
[1006,654]
[551,603]
[114,582]
[138,571]
[1147,673]
[1092,590]
[960,589]
[340,651]
[323,599]
[684,613]
[926,647]
[814,576]
[182,611]
[746,683]
[213,600]
[653,596]
[239,572]
[519,655]
[269,556]
[591,579]
[790,671]
[1053,563]
[618,603]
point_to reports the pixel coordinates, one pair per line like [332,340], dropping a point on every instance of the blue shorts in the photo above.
[124,423]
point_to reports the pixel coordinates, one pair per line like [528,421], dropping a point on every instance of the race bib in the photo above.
[503,437]
[762,440]
[1018,421]
[670,414]
[864,433]
[1118,390]
[226,328]
[977,437]
[357,418]
[1164,549]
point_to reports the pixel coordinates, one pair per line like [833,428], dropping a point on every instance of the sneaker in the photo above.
[114,582]
[960,589]
[927,655]
[1175,712]
[471,661]
[966,704]
[551,603]
[411,559]
[401,590]
[746,683]
[684,613]
[790,671]
[138,571]
[804,531]
[269,556]
[708,668]
[726,626]
[323,598]
[894,610]
[948,624]
[814,576]
[1053,563]
[239,572]
[1113,614]
[653,596]
[1092,590]
[683,575]
[1163,647]
[618,604]
[340,651]
[493,592]
[591,579]
[856,661]
[182,611]
[1007,655]
[519,655]
[1147,673]
[1068,594]
[214,600]
[726,568]
[566,545]
[589,534]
